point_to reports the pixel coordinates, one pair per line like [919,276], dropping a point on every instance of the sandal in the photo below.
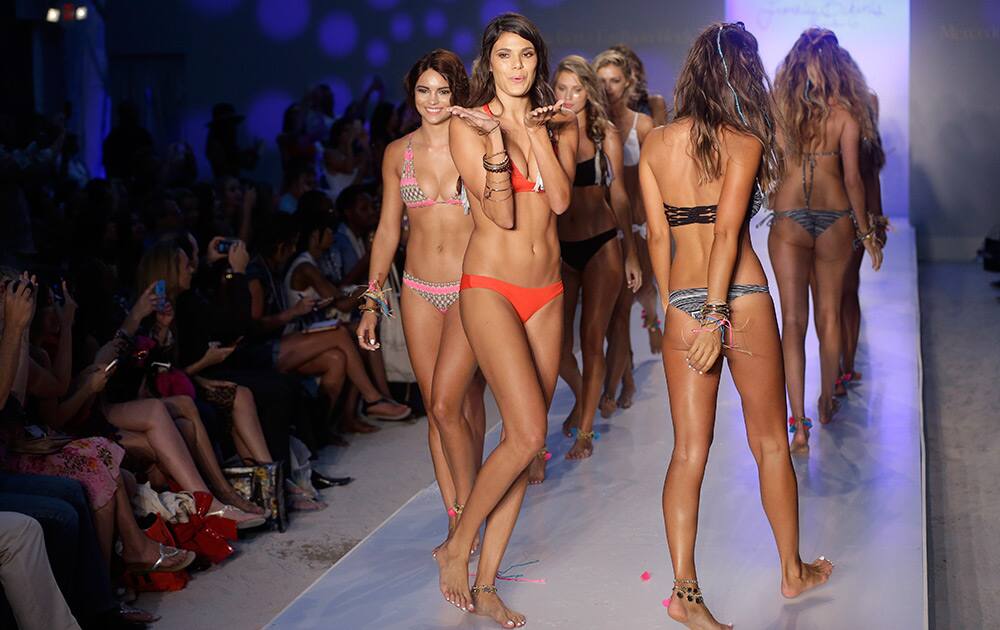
[243,520]
[167,553]
[132,614]
[403,412]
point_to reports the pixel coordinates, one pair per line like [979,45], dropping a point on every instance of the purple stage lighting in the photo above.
[435,23]
[283,19]
[401,27]
[338,34]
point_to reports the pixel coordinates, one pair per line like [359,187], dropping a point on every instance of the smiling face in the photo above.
[614,81]
[432,96]
[569,88]
[513,62]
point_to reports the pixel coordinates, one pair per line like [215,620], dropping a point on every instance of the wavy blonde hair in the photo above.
[816,72]
[723,84]
[597,110]
[612,57]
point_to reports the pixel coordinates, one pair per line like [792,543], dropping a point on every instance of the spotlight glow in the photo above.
[52,15]
[81,13]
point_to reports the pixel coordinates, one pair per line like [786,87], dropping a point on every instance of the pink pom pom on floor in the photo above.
[645,576]
[666,603]
[548,456]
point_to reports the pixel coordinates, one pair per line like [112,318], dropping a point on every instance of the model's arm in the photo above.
[621,207]
[18,309]
[556,164]
[737,188]
[656,222]
[467,151]
[850,149]
[386,240]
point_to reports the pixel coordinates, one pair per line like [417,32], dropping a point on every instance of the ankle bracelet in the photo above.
[690,593]
[483,588]
[457,509]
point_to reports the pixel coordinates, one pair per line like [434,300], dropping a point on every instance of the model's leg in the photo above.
[647,297]
[692,410]
[619,349]
[850,314]
[568,368]
[832,260]
[422,325]
[462,440]
[502,349]
[758,377]
[543,334]
[602,281]
[791,252]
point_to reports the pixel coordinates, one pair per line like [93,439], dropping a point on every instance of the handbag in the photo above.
[397,360]
[263,485]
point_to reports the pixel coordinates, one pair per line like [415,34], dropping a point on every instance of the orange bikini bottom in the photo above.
[525,300]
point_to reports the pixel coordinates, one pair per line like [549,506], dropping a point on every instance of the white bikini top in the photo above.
[630,151]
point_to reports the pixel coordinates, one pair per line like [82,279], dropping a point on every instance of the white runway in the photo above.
[595,526]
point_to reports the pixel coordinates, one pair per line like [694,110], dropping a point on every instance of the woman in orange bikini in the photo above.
[515,149]
[440,226]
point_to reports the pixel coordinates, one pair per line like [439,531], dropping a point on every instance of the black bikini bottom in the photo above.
[577,254]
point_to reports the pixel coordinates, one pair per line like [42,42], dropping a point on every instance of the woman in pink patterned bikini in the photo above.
[418,173]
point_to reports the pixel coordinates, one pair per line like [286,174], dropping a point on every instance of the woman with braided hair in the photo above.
[826,105]
[702,178]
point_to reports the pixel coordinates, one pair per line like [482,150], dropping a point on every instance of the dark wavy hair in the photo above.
[483,86]
[723,84]
[448,65]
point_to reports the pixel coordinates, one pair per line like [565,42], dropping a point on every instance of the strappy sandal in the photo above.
[166,554]
[402,415]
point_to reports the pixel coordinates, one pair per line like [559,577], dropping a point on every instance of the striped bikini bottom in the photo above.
[691,300]
[441,295]
[813,221]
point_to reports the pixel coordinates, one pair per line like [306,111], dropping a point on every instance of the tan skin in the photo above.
[308,276]
[796,258]
[439,351]
[514,240]
[850,307]
[617,87]
[717,256]
[601,280]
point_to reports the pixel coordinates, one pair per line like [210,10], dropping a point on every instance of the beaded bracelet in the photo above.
[501,167]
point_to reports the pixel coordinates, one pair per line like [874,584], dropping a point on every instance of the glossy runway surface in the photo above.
[595,526]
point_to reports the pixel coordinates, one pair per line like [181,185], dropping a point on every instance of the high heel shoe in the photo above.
[243,520]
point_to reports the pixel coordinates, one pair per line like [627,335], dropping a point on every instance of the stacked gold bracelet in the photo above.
[502,167]
[719,309]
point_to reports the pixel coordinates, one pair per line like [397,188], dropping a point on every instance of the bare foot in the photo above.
[694,613]
[809,576]
[582,449]
[800,437]
[827,408]
[839,389]
[536,469]
[607,406]
[452,526]
[357,425]
[454,575]
[489,604]
[571,422]
[628,392]
[655,340]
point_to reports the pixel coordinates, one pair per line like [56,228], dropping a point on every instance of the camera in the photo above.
[224,246]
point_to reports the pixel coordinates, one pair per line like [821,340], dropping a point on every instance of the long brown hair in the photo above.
[597,111]
[448,65]
[814,73]
[723,84]
[160,262]
[483,88]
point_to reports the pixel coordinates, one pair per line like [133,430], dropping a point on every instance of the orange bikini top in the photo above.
[518,181]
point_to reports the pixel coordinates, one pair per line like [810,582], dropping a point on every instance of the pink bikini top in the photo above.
[414,197]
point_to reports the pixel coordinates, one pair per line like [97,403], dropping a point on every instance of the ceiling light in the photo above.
[81,13]
[52,15]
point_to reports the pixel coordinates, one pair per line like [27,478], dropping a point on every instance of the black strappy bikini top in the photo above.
[591,172]
[677,216]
